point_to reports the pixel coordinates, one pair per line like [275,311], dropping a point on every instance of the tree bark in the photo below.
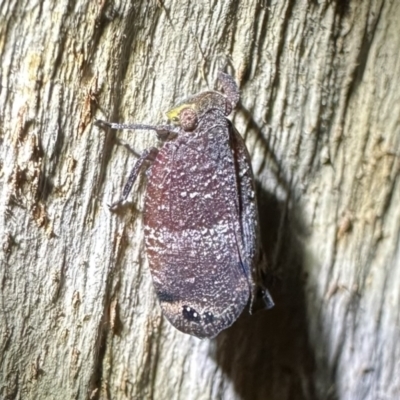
[320,106]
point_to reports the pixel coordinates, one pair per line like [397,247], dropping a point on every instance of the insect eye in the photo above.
[188,119]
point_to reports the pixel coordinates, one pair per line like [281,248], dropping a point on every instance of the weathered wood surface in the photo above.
[320,110]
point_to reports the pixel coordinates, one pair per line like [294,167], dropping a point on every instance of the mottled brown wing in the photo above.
[194,231]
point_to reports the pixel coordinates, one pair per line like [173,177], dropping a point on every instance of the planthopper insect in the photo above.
[200,218]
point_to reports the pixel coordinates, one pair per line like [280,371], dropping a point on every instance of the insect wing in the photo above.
[194,232]
[248,212]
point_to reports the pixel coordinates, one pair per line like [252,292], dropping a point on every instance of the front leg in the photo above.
[164,132]
[148,155]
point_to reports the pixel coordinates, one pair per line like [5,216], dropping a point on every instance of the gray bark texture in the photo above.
[320,112]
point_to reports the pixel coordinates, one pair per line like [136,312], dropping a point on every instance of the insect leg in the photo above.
[148,155]
[163,131]
[268,301]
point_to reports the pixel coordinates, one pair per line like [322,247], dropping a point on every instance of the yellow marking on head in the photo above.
[173,114]
[198,103]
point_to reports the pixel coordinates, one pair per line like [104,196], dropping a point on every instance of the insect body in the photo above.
[201,222]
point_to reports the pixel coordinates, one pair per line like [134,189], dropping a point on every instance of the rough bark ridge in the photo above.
[320,113]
